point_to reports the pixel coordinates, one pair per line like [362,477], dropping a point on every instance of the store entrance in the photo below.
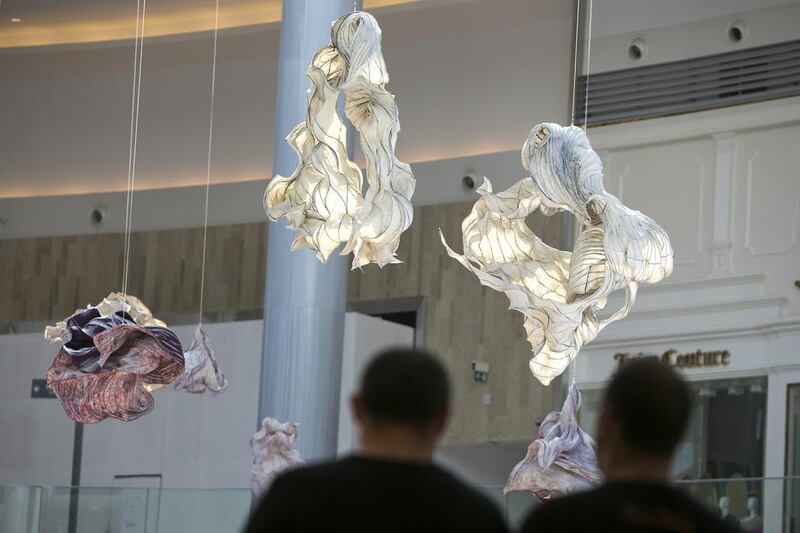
[791,507]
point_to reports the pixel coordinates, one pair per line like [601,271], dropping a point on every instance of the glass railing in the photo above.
[757,504]
[122,510]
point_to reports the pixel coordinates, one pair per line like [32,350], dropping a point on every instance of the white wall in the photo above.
[680,29]
[725,185]
[36,436]
[364,337]
[673,183]
[197,441]
[192,441]
[619,16]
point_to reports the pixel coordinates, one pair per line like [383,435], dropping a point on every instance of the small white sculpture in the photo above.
[273,452]
[562,460]
[560,293]
[322,200]
[201,371]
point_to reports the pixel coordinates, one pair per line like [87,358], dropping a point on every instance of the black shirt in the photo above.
[376,496]
[626,507]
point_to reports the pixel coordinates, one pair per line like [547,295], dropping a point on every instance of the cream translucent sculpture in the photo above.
[561,293]
[322,200]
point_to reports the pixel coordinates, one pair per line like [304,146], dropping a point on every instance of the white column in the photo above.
[304,302]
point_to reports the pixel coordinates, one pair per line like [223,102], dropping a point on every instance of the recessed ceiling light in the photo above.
[15,19]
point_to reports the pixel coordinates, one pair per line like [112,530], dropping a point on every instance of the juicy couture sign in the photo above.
[697,359]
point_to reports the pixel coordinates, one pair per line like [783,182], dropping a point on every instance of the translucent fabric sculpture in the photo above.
[562,460]
[109,362]
[273,452]
[322,200]
[561,293]
[201,372]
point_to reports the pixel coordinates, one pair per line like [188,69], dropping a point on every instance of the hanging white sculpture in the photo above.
[562,460]
[322,200]
[560,293]
[273,452]
[201,372]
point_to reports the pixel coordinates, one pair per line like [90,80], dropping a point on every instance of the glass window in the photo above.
[792,496]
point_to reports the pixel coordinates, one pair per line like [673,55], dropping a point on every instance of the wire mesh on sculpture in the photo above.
[561,460]
[322,200]
[273,452]
[560,293]
[112,355]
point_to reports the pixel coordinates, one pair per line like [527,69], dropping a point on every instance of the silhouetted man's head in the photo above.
[403,391]
[405,387]
[644,416]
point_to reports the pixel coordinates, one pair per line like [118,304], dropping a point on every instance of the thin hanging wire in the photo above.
[208,160]
[572,370]
[136,90]
[588,65]
[575,61]
[573,364]
[130,145]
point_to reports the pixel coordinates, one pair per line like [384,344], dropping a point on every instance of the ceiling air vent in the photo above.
[690,85]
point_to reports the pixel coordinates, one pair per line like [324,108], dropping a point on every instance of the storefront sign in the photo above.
[698,359]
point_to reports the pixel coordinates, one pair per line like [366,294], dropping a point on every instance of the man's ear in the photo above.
[441,423]
[357,409]
[605,423]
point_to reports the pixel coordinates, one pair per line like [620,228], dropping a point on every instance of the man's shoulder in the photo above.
[612,503]
[311,474]
[571,503]
[465,490]
[470,502]
[560,513]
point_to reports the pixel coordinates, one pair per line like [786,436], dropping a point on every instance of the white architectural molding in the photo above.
[725,148]
[621,182]
[771,114]
[592,375]
[692,243]
[700,309]
[794,221]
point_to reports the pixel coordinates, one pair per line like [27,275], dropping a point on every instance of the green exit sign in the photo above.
[480,371]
